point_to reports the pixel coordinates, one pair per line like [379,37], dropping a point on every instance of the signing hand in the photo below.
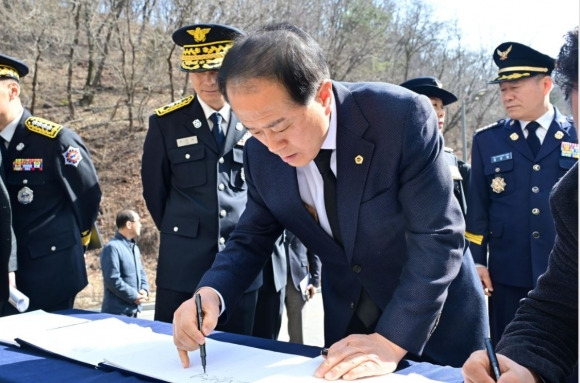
[358,356]
[483,273]
[186,336]
[477,369]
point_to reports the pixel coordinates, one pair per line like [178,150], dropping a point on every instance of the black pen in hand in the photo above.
[199,324]
[492,359]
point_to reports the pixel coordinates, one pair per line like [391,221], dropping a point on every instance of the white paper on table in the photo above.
[89,342]
[11,327]
[227,362]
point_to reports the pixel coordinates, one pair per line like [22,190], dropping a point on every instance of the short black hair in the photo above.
[566,73]
[281,52]
[125,216]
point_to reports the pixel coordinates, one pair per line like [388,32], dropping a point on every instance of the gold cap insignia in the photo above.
[358,159]
[498,185]
[199,34]
[504,55]
[514,136]
[559,134]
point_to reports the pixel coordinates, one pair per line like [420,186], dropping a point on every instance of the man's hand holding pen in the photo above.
[186,335]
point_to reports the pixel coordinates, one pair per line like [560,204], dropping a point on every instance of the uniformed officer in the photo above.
[55,198]
[433,88]
[515,163]
[193,176]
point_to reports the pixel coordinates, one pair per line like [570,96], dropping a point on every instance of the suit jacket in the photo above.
[509,214]
[544,334]
[55,198]
[401,226]
[123,276]
[194,192]
[301,261]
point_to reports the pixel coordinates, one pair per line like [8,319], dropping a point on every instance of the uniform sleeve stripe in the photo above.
[477,239]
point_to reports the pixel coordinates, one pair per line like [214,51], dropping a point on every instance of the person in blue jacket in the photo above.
[515,162]
[124,278]
[367,158]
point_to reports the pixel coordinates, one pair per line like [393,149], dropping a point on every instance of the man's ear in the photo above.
[324,93]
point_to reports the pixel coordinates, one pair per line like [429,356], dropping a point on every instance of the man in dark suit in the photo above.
[541,343]
[396,242]
[193,177]
[515,162]
[303,280]
[54,194]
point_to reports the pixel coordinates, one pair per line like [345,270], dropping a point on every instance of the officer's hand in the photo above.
[483,273]
[477,369]
[186,336]
[358,356]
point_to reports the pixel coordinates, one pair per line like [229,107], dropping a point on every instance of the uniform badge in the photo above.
[514,136]
[501,157]
[244,138]
[358,159]
[239,126]
[192,140]
[20,146]
[72,156]
[559,134]
[25,195]
[196,123]
[569,149]
[498,185]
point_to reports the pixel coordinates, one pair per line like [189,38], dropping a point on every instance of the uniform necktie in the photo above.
[217,131]
[533,140]
[322,161]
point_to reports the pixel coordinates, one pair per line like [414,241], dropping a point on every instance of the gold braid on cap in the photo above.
[8,71]
[530,68]
[206,56]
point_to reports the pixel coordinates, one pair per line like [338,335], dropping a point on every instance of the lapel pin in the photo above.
[239,126]
[358,159]
[20,146]
[559,134]
[514,136]
[196,123]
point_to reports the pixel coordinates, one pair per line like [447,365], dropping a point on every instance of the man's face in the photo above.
[134,226]
[439,110]
[526,99]
[9,89]
[292,131]
[206,87]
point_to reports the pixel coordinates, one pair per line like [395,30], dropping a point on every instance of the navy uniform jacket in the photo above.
[402,228]
[514,221]
[123,276]
[55,196]
[7,239]
[544,334]
[194,192]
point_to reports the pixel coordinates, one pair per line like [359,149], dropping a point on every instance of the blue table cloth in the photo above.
[22,365]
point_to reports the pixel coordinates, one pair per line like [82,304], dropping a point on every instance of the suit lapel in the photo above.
[354,155]
[554,136]
[235,133]
[196,123]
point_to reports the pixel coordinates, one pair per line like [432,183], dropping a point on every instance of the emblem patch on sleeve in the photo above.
[72,156]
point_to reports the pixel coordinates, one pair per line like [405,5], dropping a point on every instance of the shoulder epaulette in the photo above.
[448,149]
[490,126]
[174,105]
[41,126]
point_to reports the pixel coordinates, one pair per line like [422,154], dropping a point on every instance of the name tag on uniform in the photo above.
[186,141]
[455,174]
[501,157]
